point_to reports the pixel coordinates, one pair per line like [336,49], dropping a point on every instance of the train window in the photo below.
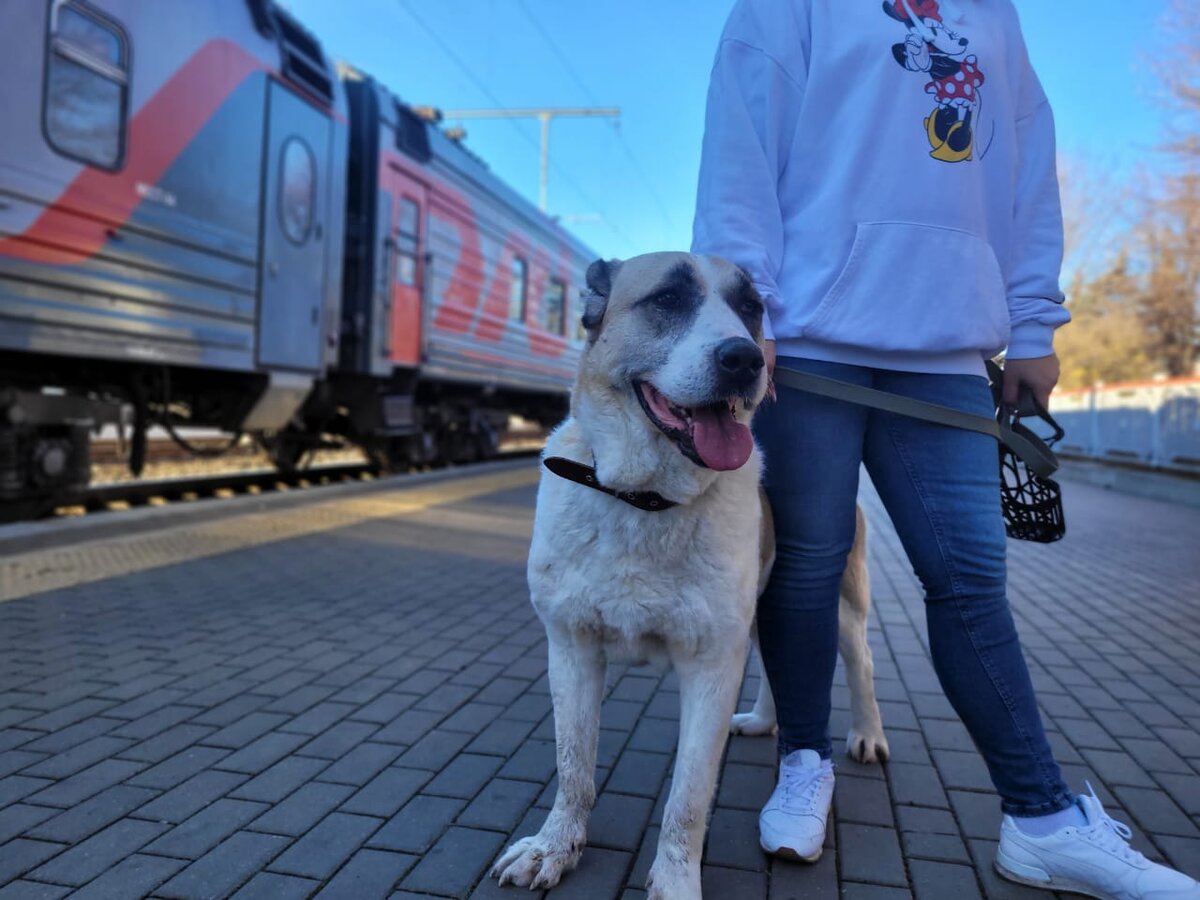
[297,189]
[87,86]
[516,297]
[552,306]
[412,134]
[407,241]
[408,217]
[580,331]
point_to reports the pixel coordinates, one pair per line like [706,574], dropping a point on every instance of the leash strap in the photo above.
[586,475]
[1024,443]
[1027,445]
[877,399]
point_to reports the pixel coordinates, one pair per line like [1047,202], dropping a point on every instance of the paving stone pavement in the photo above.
[350,700]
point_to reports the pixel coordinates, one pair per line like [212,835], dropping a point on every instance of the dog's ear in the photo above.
[600,276]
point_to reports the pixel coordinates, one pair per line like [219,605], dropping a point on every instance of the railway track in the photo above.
[128,494]
[110,451]
[225,484]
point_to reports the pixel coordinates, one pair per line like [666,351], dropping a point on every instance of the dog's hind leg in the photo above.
[866,741]
[708,693]
[577,687]
[761,719]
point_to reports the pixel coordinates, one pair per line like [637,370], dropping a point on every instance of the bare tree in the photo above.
[1095,216]
[1178,70]
[1169,232]
[1169,235]
[1133,261]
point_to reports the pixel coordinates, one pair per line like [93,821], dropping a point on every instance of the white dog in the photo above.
[669,568]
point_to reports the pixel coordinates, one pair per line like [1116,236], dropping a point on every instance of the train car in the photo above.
[203,223]
[171,212]
[459,300]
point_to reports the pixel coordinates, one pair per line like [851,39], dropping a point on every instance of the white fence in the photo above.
[1149,423]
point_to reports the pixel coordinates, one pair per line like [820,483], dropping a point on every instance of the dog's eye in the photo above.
[667,300]
[751,307]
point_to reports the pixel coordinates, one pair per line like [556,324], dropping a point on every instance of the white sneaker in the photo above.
[792,824]
[1094,860]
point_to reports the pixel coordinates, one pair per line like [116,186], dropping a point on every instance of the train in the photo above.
[205,222]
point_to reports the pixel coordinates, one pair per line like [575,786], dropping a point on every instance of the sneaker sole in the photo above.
[1051,885]
[791,855]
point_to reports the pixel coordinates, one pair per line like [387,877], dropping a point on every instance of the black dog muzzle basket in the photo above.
[1032,504]
[1030,499]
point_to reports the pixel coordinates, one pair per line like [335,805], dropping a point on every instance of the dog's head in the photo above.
[678,337]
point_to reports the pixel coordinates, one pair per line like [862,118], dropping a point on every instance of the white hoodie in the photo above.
[884,170]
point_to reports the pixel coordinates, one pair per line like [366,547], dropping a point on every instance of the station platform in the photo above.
[343,695]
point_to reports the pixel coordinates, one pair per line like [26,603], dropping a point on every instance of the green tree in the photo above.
[1105,340]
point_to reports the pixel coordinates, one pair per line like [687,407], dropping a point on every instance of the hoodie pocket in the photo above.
[923,288]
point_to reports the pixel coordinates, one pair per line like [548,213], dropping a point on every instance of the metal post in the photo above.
[544,180]
[543,115]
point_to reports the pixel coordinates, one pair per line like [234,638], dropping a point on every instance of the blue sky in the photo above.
[631,192]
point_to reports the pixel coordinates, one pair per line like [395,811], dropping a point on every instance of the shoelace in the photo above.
[1110,835]
[802,784]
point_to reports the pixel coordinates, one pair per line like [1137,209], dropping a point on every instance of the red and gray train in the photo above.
[205,223]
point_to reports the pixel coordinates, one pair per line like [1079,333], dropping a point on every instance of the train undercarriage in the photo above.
[406,422]
[399,424]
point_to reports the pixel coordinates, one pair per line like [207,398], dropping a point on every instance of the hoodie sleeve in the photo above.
[753,104]
[1035,301]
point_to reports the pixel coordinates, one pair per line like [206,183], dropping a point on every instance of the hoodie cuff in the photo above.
[1030,340]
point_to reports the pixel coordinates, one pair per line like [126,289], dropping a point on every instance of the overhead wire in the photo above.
[487,92]
[565,61]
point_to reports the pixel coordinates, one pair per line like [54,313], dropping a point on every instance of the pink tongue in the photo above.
[721,441]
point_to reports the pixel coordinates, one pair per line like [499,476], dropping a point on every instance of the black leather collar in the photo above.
[586,475]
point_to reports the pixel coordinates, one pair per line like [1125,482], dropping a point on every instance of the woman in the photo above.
[884,171]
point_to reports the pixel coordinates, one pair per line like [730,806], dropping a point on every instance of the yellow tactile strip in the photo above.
[62,567]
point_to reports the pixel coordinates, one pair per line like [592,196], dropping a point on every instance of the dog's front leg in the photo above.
[708,690]
[576,687]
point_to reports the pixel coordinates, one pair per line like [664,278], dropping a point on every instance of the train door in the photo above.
[406,265]
[293,233]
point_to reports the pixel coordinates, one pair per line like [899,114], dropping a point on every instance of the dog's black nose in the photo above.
[739,361]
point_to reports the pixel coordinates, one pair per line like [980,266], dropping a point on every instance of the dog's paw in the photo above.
[867,744]
[535,863]
[673,882]
[751,723]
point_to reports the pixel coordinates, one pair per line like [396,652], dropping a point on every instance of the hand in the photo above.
[769,359]
[1041,375]
[916,56]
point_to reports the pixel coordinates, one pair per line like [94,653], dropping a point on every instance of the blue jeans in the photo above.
[941,489]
